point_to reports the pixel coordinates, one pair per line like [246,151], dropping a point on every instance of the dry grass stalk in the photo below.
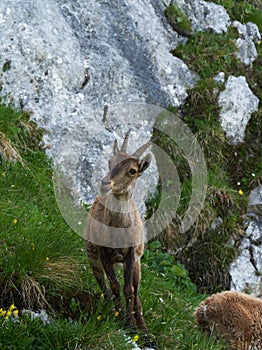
[8,151]
[64,271]
[32,294]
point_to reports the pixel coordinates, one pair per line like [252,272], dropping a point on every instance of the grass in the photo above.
[207,53]
[43,266]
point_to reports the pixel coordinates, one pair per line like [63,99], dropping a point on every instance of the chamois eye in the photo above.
[132,171]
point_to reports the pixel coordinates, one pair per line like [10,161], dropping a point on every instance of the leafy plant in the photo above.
[178,20]
[165,264]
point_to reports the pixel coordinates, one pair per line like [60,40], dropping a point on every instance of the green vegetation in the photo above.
[43,266]
[208,53]
[43,263]
[244,11]
[178,20]
[232,170]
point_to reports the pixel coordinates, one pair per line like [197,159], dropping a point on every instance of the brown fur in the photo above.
[235,316]
[114,232]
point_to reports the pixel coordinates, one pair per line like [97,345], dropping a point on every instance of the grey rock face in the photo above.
[246,270]
[255,204]
[66,60]
[237,103]
[205,15]
[249,34]
[219,78]
[247,52]
[248,30]
[107,53]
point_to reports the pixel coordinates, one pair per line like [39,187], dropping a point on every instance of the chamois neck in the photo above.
[122,197]
[120,202]
[120,212]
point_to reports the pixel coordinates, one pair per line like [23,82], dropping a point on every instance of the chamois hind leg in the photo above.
[114,284]
[140,322]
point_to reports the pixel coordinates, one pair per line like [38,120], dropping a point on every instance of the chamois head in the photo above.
[124,168]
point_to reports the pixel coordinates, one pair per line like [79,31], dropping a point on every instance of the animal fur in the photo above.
[235,316]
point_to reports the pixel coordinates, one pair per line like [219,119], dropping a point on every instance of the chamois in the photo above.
[114,231]
[235,316]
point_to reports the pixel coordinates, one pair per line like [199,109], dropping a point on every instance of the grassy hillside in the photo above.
[43,263]
[43,266]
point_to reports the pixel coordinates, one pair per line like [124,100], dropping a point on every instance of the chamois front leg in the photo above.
[129,265]
[114,284]
[97,269]
[140,322]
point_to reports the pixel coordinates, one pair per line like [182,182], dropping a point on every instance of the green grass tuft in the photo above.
[208,53]
[178,20]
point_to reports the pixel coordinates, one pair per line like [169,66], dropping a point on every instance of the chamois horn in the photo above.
[138,153]
[124,145]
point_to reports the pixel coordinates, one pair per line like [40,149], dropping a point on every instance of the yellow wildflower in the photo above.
[102,296]
[8,314]
[240,192]
[2,312]
[116,313]
[99,317]
[135,338]
[12,311]
[15,221]
[47,258]
[15,313]
[12,307]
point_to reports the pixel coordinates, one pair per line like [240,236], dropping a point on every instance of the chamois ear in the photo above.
[115,148]
[144,163]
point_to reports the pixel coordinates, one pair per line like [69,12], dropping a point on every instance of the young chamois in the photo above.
[235,316]
[114,231]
